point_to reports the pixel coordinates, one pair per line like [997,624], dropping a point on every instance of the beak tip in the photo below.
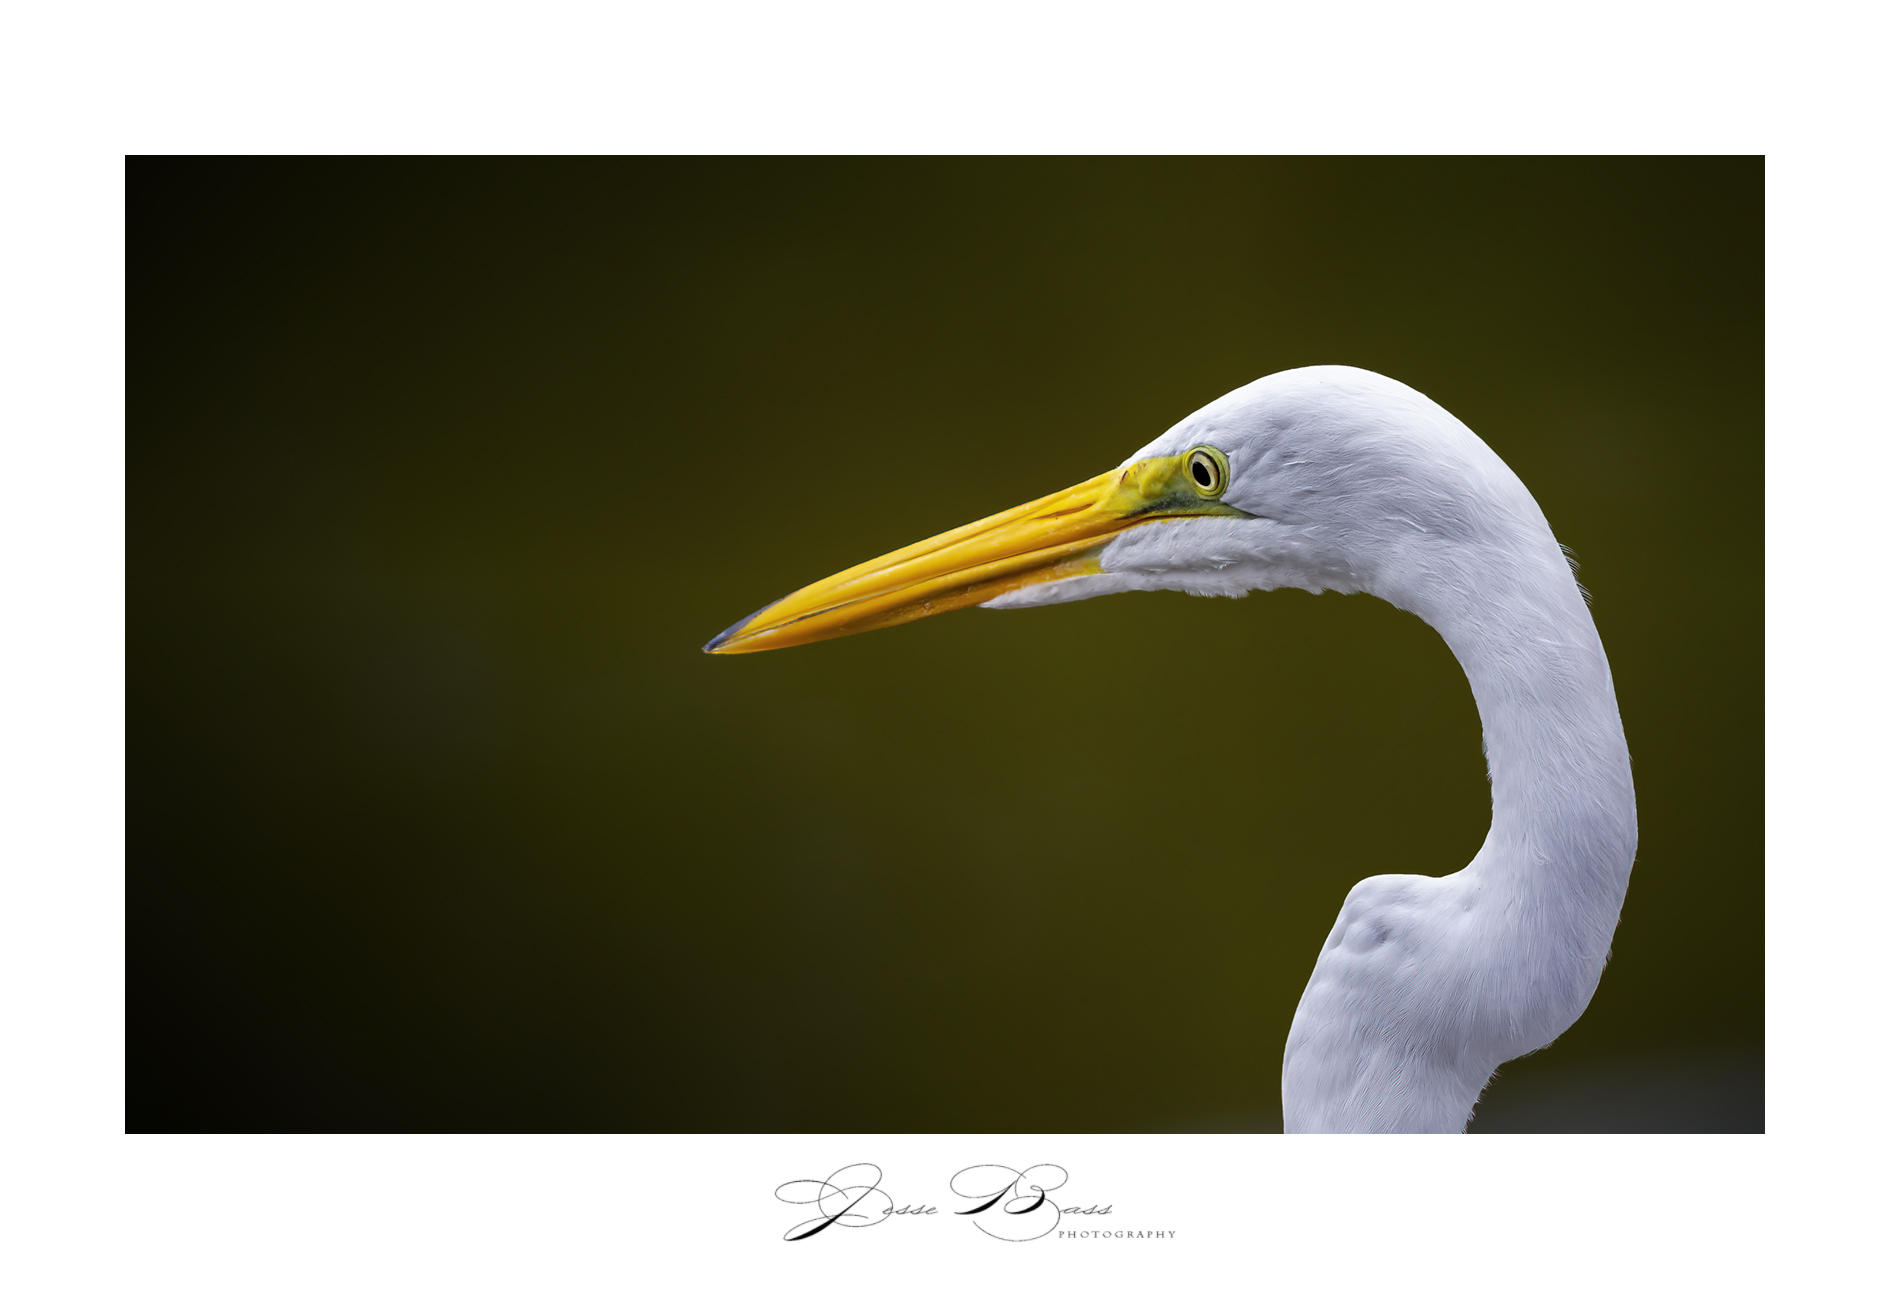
[729,633]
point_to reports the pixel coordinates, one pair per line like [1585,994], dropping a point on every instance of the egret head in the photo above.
[1323,478]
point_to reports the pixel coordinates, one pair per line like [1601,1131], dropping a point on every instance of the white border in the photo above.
[92,1207]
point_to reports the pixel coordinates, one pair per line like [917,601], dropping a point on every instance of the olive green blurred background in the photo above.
[443,471]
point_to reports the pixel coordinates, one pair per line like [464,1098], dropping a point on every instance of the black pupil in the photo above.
[1202,475]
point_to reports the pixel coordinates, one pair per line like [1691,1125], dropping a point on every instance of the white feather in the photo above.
[1426,985]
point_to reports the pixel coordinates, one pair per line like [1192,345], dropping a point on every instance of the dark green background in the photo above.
[442,473]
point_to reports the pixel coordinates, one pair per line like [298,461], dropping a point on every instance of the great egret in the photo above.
[1333,478]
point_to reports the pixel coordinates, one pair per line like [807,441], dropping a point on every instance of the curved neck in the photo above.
[1427,985]
[1562,791]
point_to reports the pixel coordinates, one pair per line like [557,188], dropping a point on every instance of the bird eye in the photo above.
[1208,469]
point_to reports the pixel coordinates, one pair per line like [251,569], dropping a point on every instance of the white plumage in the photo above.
[1425,985]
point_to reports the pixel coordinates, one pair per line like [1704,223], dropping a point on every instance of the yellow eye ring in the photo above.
[1207,471]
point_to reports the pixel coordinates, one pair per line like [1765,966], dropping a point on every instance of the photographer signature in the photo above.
[1013,1204]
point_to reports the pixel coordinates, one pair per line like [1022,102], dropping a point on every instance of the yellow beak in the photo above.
[1059,536]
